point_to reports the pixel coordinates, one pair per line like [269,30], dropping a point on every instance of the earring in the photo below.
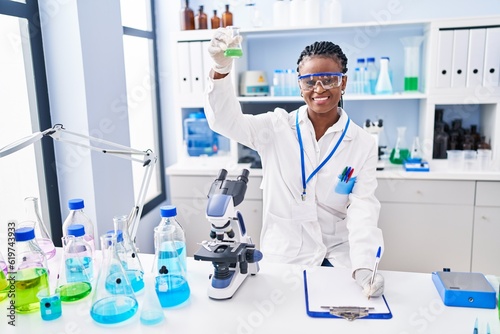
[342,92]
[301,95]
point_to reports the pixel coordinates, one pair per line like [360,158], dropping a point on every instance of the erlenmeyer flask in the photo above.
[4,284]
[76,271]
[113,300]
[34,219]
[400,152]
[170,279]
[127,252]
[151,311]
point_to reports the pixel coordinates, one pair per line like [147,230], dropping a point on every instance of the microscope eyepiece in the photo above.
[222,174]
[244,175]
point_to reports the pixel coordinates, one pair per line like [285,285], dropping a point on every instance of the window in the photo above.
[139,44]
[24,109]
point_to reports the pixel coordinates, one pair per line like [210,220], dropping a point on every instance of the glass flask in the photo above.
[76,271]
[4,284]
[400,152]
[234,49]
[32,273]
[127,252]
[151,311]
[412,62]
[384,84]
[34,219]
[171,284]
[113,300]
[77,216]
[169,217]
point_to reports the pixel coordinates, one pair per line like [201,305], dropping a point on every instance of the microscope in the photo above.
[230,249]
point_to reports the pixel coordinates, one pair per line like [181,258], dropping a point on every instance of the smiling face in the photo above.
[321,101]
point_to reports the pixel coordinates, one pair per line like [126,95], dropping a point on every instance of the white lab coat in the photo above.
[340,227]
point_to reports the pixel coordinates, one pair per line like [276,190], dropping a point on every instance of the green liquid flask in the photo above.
[76,271]
[400,152]
[127,252]
[4,284]
[113,300]
[234,48]
[32,274]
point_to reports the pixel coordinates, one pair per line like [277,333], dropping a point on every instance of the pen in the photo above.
[475,328]
[488,328]
[349,175]
[343,174]
[377,260]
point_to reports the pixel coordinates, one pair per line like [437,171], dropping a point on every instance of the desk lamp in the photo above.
[59,133]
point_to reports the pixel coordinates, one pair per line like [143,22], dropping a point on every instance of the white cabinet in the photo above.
[486,236]
[426,224]
[189,195]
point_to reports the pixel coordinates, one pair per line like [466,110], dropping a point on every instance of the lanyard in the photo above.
[302,165]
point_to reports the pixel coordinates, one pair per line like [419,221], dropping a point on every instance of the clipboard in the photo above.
[332,293]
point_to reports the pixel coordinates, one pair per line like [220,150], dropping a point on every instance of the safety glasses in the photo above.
[328,80]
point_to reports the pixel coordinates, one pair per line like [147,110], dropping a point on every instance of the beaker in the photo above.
[412,62]
[50,304]
[234,48]
[34,219]
[127,252]
[171,284]
[76,270]
[400,152]
[113,300]
[4,284]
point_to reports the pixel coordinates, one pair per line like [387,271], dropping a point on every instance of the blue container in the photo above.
[200,139]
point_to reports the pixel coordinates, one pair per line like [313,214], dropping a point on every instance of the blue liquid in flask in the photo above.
[136,279]
[79,269]
[171,287]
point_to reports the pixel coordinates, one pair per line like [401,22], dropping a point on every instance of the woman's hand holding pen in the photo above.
[220,41]
[364,279]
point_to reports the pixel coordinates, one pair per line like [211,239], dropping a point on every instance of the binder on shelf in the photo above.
[459,57]
[207,60]
[491,58]
[332,293]
[444,61]
[475,63]
[196,65]
[184,77]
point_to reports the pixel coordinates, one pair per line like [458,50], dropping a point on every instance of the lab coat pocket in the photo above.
[339,195]
[283,237]
[345,188]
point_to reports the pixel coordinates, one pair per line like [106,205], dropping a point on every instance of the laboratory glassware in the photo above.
[416,149]
[400,152]
[371,73]
[412,62]
[76,270]
[187,17]
[4,284]
[151,310]
[234,50]
[384,84]
[127,252]
[50,304]
[215,20]
[32,273]
[227,18]
[168,215]
[113,300]
[34,219]
[171,284]
[77,216]
[201,21]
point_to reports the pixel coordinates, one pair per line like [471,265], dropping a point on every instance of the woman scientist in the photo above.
[318,166]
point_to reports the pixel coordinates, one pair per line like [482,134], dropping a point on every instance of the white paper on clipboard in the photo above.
[335,287]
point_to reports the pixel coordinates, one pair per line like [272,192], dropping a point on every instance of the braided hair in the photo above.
[325,50]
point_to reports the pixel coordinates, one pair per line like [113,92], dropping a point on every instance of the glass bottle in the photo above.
[187,17]
[438,119]
[113,300]
[76,271]
[201,19]
[168,215]
[215,20]
[171,284]
[227,18]
[32,275]
[127,252]
[4,284]
[77,216]
[371,73]
[483,145]
[34,219]
[384,85]
[475,135]
[400,152]
[440,142]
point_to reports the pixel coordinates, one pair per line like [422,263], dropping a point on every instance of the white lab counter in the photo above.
[271,302]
